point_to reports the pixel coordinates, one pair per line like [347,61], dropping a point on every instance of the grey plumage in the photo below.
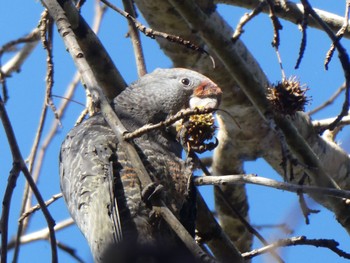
[100,186]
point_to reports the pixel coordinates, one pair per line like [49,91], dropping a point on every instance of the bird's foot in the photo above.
[152,192]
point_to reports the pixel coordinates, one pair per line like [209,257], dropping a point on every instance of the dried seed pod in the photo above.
[288,96]
[195,131]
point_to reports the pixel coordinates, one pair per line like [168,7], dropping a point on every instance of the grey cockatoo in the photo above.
[100,186]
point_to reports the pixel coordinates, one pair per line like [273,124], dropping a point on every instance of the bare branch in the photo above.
[172,119]
[135,39]
[339,35]
[46,31]
[323,124]
[302,240]
[42,234]
[329,101]
[247,224]
[283,227]
[275,24]
[15,63]
[31,37]
[94,52]
[294,13]
[245,19]
[343,57]
[303,41]
[153,33]
[224,200]
[305,209]
[257,180]
[45,27]
[70,251]
[213,235]
[52,132]
[20,165]
[38,207]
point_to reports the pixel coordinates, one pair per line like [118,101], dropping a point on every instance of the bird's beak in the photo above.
[207,95]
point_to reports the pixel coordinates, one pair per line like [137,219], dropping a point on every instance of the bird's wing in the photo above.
[88,170]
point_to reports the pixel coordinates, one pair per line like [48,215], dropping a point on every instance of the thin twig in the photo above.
[46,30]
[211,233]
[257,180]
[329,101]
[149,32]
[109,77]
[6,205]
[53,130]
[277,26]
[303,41]
[82,116]
[15,63]
[80,3]
[301,240]
[246,224]
[38,207]
[20,164]
[18,59]
[69,250]
[283,227]
[172,119]
[293,12]
[135,39]
[3,85]
[67,98]
[56,123]
[245,19]
[44,26]
[343,57]
[42,234]
[321,125]
[31,37]
[305,209]
[339,35]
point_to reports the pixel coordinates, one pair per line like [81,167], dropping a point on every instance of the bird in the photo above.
[99,182]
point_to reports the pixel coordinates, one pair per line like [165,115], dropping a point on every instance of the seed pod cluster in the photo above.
[196,131]
[288,96]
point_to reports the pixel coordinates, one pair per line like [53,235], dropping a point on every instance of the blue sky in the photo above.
[267,206]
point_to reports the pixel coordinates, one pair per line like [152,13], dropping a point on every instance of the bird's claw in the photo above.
[152,192]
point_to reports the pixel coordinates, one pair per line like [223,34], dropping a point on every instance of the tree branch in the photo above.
[135,39]
[294,12]
[253,179]
[38,207]
[15,63]
[294,241]
[104,70]
[20,165]
[42,234]
[213,235]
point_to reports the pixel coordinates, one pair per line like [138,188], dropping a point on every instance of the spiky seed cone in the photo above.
[288,96]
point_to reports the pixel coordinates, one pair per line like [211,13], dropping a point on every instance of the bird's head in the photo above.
[164,92]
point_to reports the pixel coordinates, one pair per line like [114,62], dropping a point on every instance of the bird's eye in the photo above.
[185,81]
